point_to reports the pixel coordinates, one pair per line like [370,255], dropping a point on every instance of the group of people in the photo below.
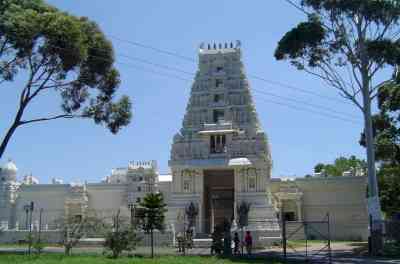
[185,240]
[217,246]
[248,243]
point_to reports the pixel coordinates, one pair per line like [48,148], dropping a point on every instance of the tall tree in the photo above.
[386,126]
[59,55]
[350,45]
[152,218]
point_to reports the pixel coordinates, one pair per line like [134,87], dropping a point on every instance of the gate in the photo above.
[309,240]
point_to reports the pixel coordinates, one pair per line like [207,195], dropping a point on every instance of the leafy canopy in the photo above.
[121,237]
[345,43]
[154,210]
[62,53]
[341,165]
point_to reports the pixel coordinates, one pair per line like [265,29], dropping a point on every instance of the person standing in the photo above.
[236,242]
[248,240]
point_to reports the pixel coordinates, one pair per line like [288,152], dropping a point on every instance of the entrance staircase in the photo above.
[202,240]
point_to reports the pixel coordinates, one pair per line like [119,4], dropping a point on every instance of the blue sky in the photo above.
[79,150]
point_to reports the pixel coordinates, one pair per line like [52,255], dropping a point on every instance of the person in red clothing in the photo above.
[248,240]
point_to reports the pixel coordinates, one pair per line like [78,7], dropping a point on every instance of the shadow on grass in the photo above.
[260,259]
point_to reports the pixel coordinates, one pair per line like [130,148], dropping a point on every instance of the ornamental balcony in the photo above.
[221,126]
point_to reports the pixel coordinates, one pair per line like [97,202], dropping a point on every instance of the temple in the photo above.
[221,158]
[220,172]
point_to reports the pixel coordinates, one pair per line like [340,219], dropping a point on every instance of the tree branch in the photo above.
[329,79]
[64,116]
[41,87]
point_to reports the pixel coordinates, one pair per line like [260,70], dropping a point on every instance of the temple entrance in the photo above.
[218,198]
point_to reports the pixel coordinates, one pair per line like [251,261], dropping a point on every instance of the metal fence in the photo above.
[308,240]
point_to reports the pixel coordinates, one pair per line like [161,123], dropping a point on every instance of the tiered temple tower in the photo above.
[221,157]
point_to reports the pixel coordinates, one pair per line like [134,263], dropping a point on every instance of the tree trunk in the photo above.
[368,130]
[7,138]
[370,148]
[152,243]
[12,129]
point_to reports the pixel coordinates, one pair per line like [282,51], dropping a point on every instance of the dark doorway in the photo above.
[289,216]
[218,197]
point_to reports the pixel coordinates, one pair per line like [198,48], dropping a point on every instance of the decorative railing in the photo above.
[221,125]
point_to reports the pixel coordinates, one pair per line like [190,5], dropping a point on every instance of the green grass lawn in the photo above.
[87,259]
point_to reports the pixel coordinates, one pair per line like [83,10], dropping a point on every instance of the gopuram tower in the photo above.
[220,159]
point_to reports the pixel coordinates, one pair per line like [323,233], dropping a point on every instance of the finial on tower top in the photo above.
[205,47]
[238,43]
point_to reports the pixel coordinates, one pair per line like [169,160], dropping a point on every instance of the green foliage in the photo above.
[333,30]
[303,39]
[122,237]
[34,242]
[154,210]
[389,184]
[66,54]
[121,240]
[152,217]
[93,259]
[341,165]
[38,246]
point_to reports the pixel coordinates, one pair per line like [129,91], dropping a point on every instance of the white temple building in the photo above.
[220,159]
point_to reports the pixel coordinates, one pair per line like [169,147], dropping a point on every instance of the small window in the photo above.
[186,186]
[139,189]
[78,218]
[140,178]
[218,98]
[218,115]
[218,83]
[252,183]
[138,200]
[219,68]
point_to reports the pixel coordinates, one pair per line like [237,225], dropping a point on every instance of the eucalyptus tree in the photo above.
[353,46]
[59,55]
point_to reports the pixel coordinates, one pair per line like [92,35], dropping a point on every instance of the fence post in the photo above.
[329,239]
[306,233]
[370,236]
[283,220]
[31,208]
[40,226]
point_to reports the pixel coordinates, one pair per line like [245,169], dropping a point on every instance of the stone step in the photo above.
[202,242]
[88,242]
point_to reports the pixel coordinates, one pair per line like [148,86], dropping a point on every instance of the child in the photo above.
[248,240]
